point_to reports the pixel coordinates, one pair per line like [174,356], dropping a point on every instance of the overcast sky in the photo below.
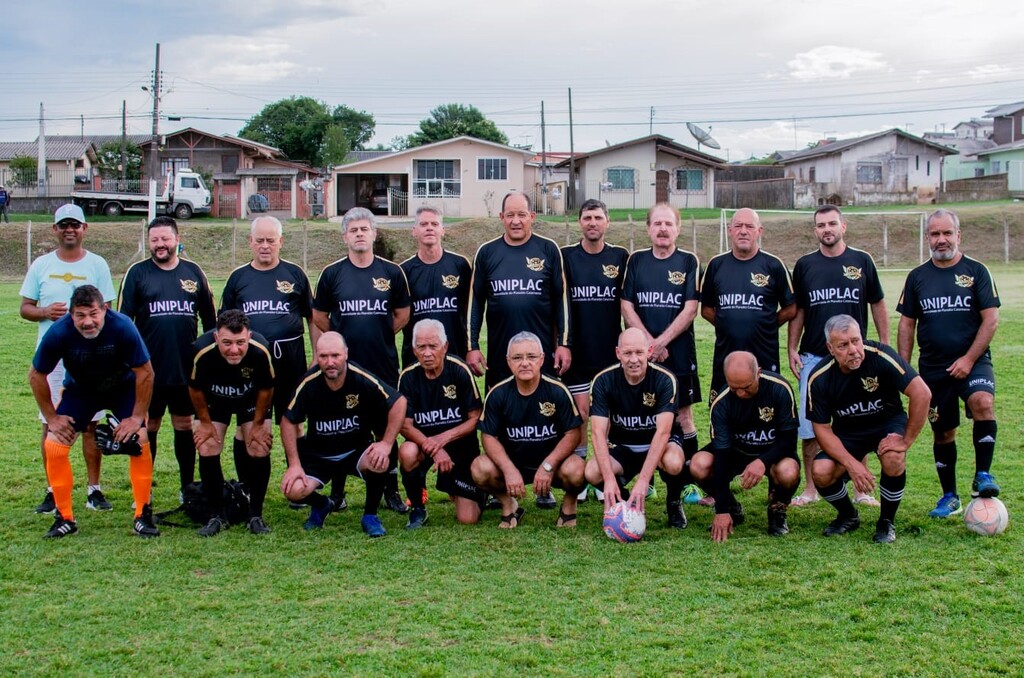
[761,75]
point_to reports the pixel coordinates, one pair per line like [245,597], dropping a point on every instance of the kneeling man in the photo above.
[530,427]
[753,434]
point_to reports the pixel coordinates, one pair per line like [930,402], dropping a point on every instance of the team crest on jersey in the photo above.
[285,286]
[933,414]
[190,286]
[759,279]
[381,284]
[677,277]
[246,372]
[535,263]
[610,271]
[870,384]
[449,391]
[766,413]
[352,401]
[547,409]
[649,400]
[852,272]
[964,280]
[450,281]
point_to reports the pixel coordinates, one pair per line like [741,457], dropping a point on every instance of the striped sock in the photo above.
[892,494]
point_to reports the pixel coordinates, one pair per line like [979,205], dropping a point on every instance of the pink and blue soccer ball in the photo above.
[624,523]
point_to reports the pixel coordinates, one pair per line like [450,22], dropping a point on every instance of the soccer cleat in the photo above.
[546,501]
[257,526]
[582,496]
[948,505]
[885,532]
[318,516]
[738,516]
[692,494]
[61,528]
[97,502]
[417,518]
[372,527]
[213,526]
[651,492]
[598,494]
[676,516]
[393,502]
[842,525]
[984,485]
[143,525]
[340,503]
[47,505]
[777,525]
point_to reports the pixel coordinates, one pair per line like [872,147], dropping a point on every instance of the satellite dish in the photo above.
[702,137]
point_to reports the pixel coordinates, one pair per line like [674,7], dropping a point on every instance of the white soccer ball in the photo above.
[986,516]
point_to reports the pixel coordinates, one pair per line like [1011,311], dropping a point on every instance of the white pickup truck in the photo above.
[184,194]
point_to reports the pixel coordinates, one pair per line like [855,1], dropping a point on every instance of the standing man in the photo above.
[365,298]
[747,294]
[48,285]
[593,272]
[5,203]
[168,297]
[276,297]
[833,279]
[953,303]
[438,284]
[232,374]
[107,367]
[854,403]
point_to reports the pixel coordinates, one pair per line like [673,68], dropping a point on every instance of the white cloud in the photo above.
[987,71]
[831,61]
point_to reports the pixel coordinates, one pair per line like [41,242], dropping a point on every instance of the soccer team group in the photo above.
[557,361]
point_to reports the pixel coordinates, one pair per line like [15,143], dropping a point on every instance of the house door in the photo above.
[661,186]
[278,192]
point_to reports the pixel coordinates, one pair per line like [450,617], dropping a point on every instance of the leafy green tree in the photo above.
[108,160]
[357,125]
[297,126]
[23,170]
[455,120]
[335,146]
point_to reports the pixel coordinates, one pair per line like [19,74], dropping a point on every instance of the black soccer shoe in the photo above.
[47,505]
[257,526]
[738,516]
[214,525]
[546,501]
[417,519]
[61,528]
[393,502]
[842,525]
[143,525]
[340,503]
[777,525]
[885,532]
[676,516]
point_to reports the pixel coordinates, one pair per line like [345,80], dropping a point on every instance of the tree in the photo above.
[455,120]
[108,160]
[357,125]
[24,170]
[335,146]
[297,126]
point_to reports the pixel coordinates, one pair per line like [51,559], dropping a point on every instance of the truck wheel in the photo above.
[113,209]
[183,211]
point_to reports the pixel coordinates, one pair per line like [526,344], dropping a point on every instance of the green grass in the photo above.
[473,600]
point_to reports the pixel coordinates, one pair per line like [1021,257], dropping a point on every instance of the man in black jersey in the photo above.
[168,297]
[529,429]
[365,298]
[747,294]
[232,374]
[339,404]
[593,274]
[633,412]
[518,285]
[854,403]
[440,425]
[833,279]
[953,303]
[753,431]
[438,284]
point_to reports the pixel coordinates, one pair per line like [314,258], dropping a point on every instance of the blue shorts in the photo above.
[810,361]
[82,408]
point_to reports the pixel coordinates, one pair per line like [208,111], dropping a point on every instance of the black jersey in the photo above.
[167,307]
[276,300]
[864,402]
[441,404]
[439,291]
[344,421]
[658,290]
[529,427]
[827,286]
[746,296]
[520,288]
[632,410]
[361,303]
[221,381]
[594,284]
[947,305]
[762,427]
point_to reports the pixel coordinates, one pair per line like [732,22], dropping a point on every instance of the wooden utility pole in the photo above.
[570,200]
[154,157]
[124,144]
[543,164]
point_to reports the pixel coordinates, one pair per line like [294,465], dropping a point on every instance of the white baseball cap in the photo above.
[69,211]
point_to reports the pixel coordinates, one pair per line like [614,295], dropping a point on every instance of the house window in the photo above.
[689,180]
[436,179]
[621,179]
[168,165]
[492,169]
[996,167]
[869,173]
[917,162]
[979,171]
[229,163]
[928,168]
[812,175]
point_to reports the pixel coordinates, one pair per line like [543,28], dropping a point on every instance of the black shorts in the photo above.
[222,409]
[577,379]
[944,411]
[631,462]
[738,462]
[82,407]
[689,389]
[859,446]
[528,472]
[459,481]
[289,360]
[174,399]
[324,469]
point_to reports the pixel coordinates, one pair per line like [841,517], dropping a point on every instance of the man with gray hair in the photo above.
[365,298]
[953,303]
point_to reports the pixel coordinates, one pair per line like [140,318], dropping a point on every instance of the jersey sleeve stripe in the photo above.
[266,352]
[563,387]
[298,389]
[815,375]
[370,377]
[672,377]
[895,363]
[199,355]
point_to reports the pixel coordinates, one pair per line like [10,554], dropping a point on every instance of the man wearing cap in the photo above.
[48,285]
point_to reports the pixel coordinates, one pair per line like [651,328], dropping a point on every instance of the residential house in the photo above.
[551,173]
[1007,123]
[1007,159]
[975,128]
[70,161]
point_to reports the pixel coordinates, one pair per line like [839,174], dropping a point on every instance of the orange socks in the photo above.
[140,471]
[60,476]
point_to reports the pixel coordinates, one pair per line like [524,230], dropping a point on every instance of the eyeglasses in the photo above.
[74,225]
[529,357]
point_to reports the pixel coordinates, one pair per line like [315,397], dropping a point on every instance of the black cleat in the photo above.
[47,505]
[214,525]
[777,525]
[842,525]
[417,519]
[61,528]
[676,516]
[885,532]
[257,526]
[96,501]
[393,502]
[546,501]
[738,516]
[143,525]
[340,503]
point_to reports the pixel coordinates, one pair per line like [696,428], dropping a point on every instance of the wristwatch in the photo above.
[548,467]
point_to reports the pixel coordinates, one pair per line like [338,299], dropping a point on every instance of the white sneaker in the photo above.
[598,494]
[582,496]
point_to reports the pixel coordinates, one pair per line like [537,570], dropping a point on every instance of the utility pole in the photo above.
[154,157]
[41,156]
[81,128]
[124,141]
[650,129]
[570,201]
[543,164]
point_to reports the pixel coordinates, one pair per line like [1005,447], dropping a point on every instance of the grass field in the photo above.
[458,600]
